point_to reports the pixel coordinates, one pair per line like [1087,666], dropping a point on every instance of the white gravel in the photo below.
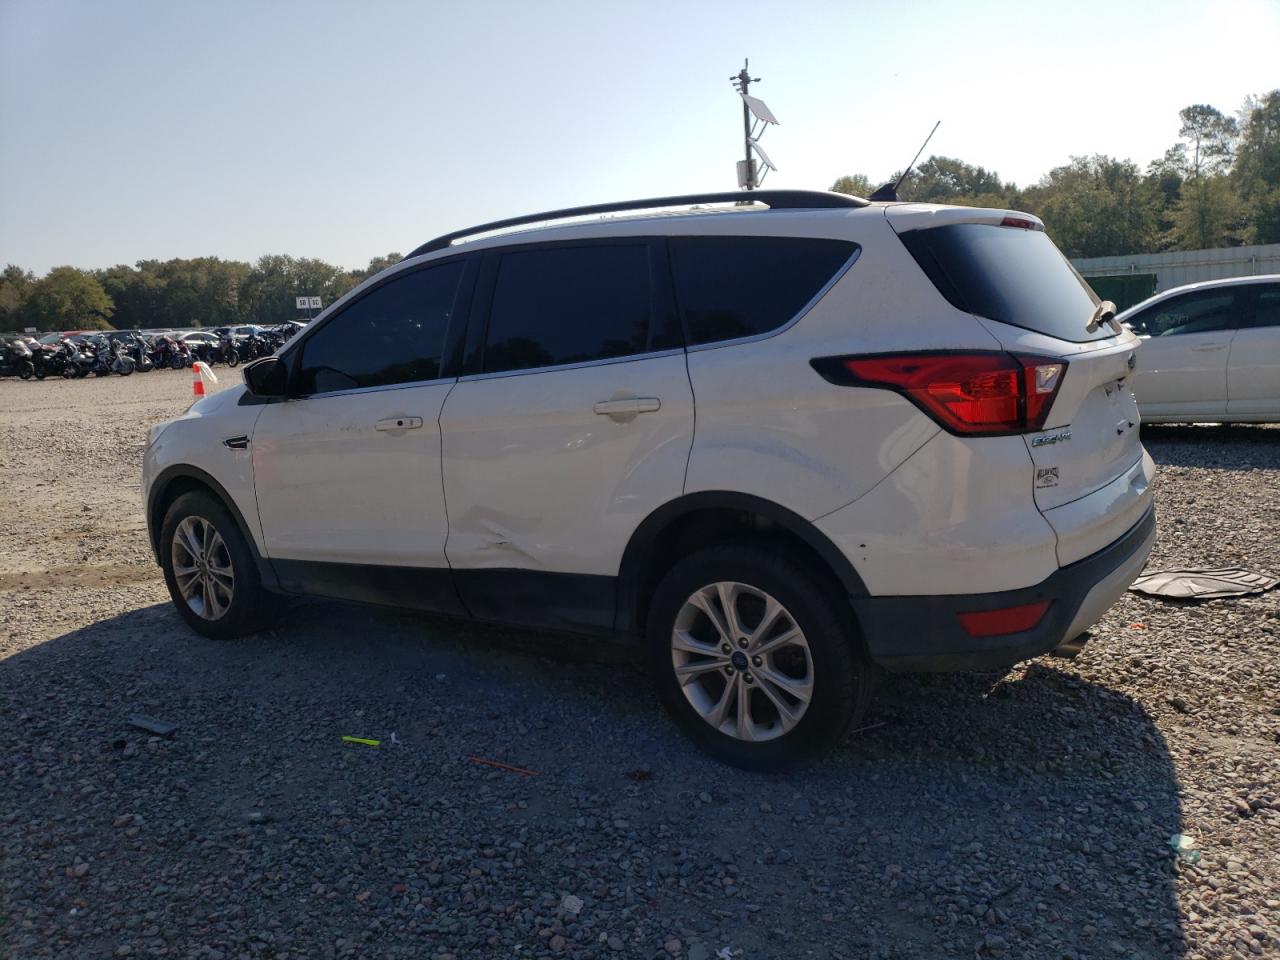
[1021,815]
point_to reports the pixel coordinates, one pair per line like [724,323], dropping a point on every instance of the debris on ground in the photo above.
[1197,583]
[504,766]
[161,728]
[1185,847]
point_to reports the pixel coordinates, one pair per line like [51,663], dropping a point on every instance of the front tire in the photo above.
[210,569]
[752,657]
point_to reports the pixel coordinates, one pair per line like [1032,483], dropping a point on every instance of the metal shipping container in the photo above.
[1131,278]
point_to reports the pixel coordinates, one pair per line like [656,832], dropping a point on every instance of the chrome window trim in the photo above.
[604,361]
[380,388]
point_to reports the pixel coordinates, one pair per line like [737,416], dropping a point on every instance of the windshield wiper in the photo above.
[1105,312]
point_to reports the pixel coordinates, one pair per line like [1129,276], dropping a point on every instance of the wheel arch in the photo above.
[667,530]
[176,480]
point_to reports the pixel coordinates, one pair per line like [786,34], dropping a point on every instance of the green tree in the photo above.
[948,180]
[1257,167]
[15,287]
[269,288]
[136,293]
[376,266]
[67,298]
[1096,206]
[1210,138]
[1209,213]
[855,185]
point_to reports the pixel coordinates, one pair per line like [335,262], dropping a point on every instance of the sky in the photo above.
[134,130]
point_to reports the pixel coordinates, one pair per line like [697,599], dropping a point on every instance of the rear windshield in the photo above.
[1010,274]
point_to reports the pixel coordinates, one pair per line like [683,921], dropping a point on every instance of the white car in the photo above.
[1210,352]
[778,446]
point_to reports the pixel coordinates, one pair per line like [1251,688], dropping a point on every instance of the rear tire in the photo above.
[210,569]
[26,369]
[805,688]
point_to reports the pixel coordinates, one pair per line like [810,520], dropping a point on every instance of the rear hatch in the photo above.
[1090,476]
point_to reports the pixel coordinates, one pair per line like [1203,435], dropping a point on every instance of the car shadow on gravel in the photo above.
[1019,815]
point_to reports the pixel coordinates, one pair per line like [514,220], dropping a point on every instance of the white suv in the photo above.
[780,446]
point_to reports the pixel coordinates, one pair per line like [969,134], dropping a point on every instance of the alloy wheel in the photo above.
[202,568]
[742,661]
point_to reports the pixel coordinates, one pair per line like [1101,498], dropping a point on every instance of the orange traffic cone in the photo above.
[199,373]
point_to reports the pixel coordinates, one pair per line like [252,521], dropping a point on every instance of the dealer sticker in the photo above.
[1046,477]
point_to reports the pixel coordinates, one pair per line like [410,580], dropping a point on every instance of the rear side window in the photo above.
[731,287]
[1266,312]
[393,334]
[572,304]
[1208,311]
[1010,274]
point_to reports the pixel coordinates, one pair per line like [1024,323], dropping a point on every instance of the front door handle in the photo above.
[1209,347]
[624,409]
[399,423]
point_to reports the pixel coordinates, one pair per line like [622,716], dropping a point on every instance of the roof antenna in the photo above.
[889,192]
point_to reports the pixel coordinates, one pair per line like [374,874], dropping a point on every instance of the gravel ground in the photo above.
[1018,815]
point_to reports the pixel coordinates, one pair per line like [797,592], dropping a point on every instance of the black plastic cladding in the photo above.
[774,199]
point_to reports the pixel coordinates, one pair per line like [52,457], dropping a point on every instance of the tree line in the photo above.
[1218,186]
[200,292]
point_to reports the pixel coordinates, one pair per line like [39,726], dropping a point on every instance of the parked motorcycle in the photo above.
[78,362]
[15,360]
[48,360]
[254,346]
[171,352]
[139,351]
[110,357]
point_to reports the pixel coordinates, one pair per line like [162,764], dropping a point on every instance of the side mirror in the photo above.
[267,377]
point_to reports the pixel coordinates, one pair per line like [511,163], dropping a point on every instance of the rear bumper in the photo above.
[924,633]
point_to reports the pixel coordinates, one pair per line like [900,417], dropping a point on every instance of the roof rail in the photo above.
[774,199]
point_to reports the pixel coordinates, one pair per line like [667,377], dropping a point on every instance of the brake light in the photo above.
[976,393]
[994,623]
[1022,222]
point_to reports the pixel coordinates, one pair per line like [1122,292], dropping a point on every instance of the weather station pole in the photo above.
[744,82]
[753,111]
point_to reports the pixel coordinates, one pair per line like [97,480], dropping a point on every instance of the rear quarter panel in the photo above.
[769,425]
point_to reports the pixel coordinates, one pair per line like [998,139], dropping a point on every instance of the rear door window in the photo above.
[559,305]
[732,287]
[1207,311]
[1266,309]
[1010,274]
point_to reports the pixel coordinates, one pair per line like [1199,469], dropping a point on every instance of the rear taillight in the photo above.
[974,393]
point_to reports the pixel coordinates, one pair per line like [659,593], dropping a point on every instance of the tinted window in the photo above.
[394,334]
[1204,312]
[555,305]
[1010,274]
[730,287]
[1267,311]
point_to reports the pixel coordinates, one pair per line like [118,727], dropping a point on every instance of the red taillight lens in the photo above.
[994,623]
[970,393]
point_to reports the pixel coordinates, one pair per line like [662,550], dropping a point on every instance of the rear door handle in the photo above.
[399,423]
[626,409]
[1209,347]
